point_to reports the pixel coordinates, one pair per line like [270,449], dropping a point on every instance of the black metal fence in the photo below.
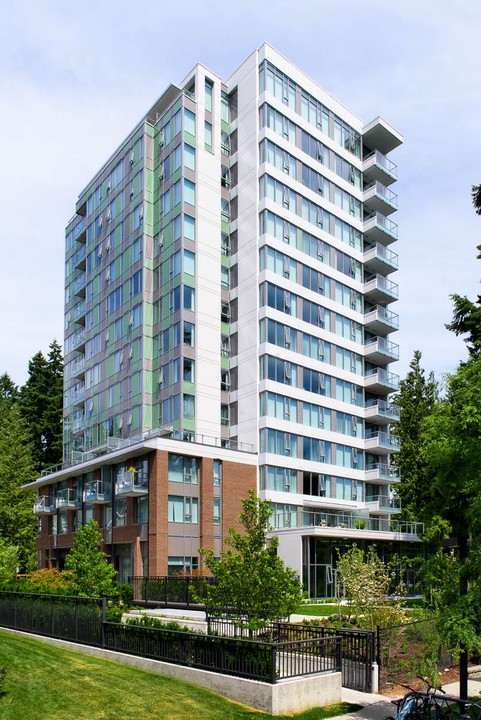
[171,590]
[403,649]
[253,659]
[69,618]
[357,646]
[83,620]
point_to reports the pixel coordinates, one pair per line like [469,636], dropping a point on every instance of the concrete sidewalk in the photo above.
[378,707]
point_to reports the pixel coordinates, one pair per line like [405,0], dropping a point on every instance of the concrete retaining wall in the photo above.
[288,696]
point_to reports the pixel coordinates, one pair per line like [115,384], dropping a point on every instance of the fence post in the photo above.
[273,663]
[339,654]
[378,646]
[103,621]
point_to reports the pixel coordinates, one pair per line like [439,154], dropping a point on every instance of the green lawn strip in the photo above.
[47,682]
[317,610]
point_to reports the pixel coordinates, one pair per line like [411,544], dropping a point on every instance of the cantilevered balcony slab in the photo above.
[132,484]
[380,321]
[381,381]
[383,504]
[382,473]
[97,492]
[381,135]
[381,443]
[380,259]
[378,228]
[380,412]
[44,505]
[68,499]
[380,351]
[377,166]
[379,198]
[379,289]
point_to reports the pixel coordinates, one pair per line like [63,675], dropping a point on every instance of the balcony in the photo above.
[79,232]
[380,351]
[383,504]
[382,473]
[78,339]
[380,135]
[379,259]
[79,285]
[380,412]
[97,492]
[378,288]
[78,259]
[381,381]
[78,310]
[68,498]
[378,198]
[77,396]
[381,443]
[377,166]
[132,483]
[78,366]
[378,228]
[44,505]
[379,320]
[342,524]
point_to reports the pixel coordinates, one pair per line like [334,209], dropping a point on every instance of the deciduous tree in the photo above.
[93,573]
[251,580]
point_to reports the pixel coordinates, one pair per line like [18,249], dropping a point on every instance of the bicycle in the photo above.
[419,704]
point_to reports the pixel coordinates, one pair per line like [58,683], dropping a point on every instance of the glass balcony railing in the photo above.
[385,409]
[383,376]
[131,483]
[383,471]
[95,491]
[384,162]
[378,312]
[68,498]
[384,503]
[44,504]
[382,191]
[382,345]
[383,438]
[382,284]
[382,223]
[344,521]
[382,252]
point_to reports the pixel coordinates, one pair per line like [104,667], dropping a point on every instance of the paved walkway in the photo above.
[377,707]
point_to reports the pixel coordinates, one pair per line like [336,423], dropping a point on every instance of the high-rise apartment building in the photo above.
[227,326]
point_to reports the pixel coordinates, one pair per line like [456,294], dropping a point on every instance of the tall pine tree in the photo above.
[416,399]
[41,406]
[18,524]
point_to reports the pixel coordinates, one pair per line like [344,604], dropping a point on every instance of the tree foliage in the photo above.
[365,581]
[416,399]
[9,561]
[93,573]
[18,525]
[41,400]
[452,511]
[251,579]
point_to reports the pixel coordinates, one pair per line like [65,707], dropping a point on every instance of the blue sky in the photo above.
[74,80]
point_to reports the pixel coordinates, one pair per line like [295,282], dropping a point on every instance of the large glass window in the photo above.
[183,509]
[183,469]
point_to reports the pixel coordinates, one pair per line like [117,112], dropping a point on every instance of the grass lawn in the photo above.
[317,610]
[45,682]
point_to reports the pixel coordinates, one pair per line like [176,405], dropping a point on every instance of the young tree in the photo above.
[416,399]
[93,573]
[365,581]
[41,401]
[18,525]
[251,580]
[9,561]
